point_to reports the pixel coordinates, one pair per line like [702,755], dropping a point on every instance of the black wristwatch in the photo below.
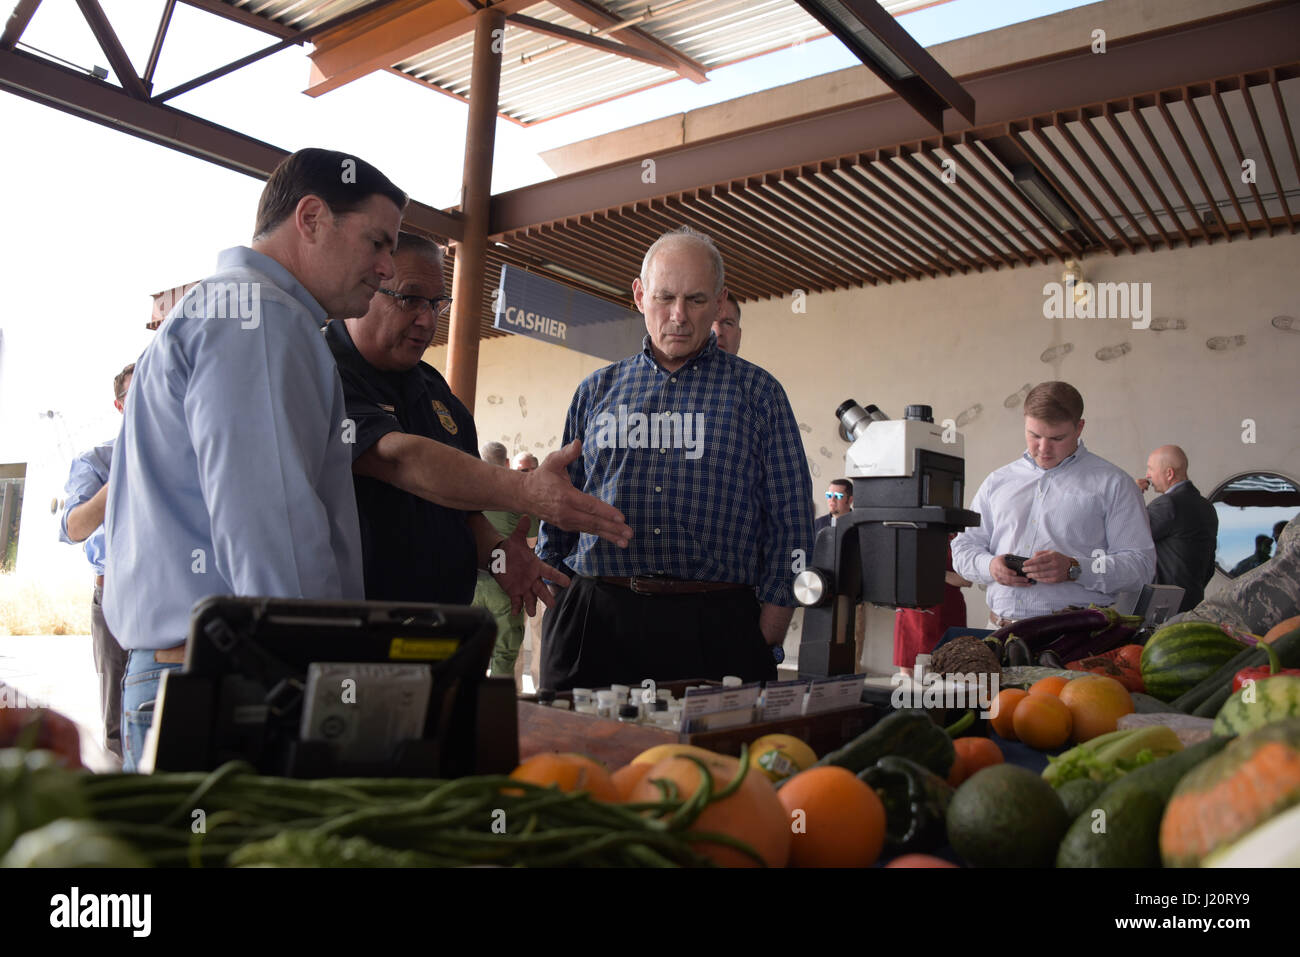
[778,652]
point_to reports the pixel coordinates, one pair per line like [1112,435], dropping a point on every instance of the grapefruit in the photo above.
[1096,704]
[753,814]
[568,773]
[779,756]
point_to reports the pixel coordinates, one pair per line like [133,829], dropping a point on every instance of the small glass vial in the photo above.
[620,691]
[606,702]
[629,713]
[562,703]
[581,698]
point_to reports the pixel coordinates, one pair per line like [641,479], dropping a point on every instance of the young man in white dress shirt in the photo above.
[1078,520]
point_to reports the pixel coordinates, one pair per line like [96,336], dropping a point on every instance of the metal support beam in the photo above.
[297,39]
[239,15]
[598,16]
[887,50]
[1225,46]
[41,81]
[161,35]
[545,28]
[471,251]
[112,47]
[21,16]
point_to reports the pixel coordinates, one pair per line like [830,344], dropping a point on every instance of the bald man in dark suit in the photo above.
[1184,526]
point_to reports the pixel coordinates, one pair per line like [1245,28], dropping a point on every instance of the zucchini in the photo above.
[1287,649]
[1127,832]
[907,733]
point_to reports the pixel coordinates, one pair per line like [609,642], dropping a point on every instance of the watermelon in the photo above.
[1263,703]
[1178,657]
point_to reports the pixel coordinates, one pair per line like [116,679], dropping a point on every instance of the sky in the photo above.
[95,220]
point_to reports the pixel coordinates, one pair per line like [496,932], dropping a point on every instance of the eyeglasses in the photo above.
[834,495]
[438,305]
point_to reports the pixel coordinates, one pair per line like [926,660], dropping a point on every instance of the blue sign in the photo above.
[531,305]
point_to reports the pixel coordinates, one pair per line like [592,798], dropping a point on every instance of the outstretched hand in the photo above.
[550,496]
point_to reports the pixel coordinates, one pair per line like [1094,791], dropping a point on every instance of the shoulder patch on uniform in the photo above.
[445,417]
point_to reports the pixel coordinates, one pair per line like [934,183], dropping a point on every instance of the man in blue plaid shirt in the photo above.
[701,451]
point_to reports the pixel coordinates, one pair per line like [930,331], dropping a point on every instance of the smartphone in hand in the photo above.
[1016,563]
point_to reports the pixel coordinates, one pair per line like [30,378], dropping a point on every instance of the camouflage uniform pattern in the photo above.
[1263,596]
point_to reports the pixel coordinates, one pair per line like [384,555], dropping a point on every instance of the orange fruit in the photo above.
[1002,713]
[1049,685]
[837,819]
[919,860]
[958,772]
[1096,704]
[1042,721]
[568,773]
[752,814]
[974,754]
[628,777]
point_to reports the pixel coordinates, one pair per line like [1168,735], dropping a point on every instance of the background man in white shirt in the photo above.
[1077,519]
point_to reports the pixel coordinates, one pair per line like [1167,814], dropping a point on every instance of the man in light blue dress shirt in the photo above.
[83,521]
[1078,519]
[233,473]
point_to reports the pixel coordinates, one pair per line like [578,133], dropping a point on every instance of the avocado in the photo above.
[1006,816]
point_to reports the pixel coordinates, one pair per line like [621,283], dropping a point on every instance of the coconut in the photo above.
[965,655]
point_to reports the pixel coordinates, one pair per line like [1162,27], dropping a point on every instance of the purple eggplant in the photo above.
[1043,630]
[1081,644]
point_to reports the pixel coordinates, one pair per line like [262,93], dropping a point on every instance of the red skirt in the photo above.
[918,630]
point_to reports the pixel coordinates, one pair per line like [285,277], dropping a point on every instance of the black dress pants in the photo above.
[599,634]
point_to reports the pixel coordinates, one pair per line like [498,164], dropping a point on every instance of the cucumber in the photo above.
[1192,699]
[908,733]
[1127,831]
[1287,648]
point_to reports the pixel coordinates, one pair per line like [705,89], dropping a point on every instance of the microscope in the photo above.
[891,549]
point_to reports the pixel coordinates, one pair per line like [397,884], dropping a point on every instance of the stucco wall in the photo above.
[954,343]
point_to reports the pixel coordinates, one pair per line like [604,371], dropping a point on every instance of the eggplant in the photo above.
[1078,645]
[1049,659]
[1018,652]
[1040,631]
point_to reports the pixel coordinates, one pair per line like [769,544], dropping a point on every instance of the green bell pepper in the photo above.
[916,803]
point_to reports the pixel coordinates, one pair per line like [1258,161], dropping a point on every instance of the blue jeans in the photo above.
[139,693]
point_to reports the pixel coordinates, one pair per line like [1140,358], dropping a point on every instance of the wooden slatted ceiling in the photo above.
[1161,170]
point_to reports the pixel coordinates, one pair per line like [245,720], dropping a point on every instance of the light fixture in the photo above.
[585,280]
[889,51]
[1045,199]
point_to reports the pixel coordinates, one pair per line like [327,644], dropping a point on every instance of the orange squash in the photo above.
[1282,628]
[1254,778]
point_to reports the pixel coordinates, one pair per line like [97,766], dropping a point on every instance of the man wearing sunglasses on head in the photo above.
[423,537]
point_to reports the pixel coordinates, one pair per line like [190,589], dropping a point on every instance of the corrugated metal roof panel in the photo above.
[711,33]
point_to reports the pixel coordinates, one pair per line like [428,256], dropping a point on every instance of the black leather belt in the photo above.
[670,586]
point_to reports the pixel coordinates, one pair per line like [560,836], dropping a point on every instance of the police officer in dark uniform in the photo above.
[423,537]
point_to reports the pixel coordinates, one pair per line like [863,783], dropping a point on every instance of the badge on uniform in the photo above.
[444,416]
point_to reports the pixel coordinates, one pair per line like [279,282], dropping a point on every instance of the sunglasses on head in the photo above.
[835,495]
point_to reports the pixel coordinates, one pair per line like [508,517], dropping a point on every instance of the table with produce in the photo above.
[1184,751]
